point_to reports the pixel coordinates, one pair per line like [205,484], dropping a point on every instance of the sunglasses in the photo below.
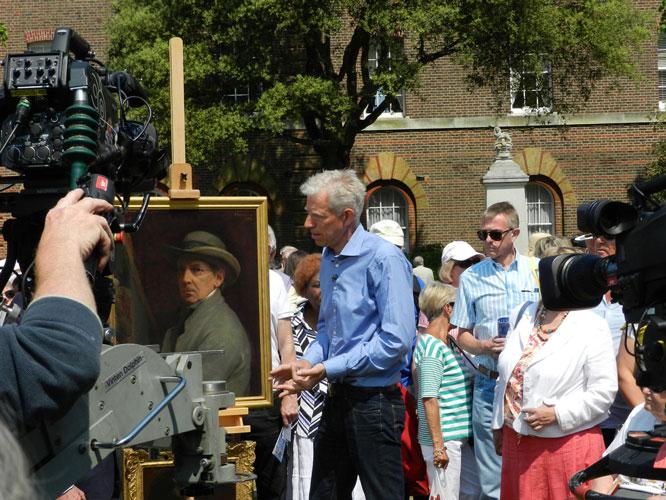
[464,264]
[494,235]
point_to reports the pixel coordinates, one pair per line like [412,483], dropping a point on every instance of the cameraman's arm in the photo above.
[72,231]
[52,357]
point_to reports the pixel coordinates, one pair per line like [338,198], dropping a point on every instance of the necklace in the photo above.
[542,316]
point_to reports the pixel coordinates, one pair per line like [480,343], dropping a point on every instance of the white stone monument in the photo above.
[505,181]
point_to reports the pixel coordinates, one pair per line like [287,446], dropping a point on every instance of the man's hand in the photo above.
[492,347]
[72,231]
[73,493]
[289,408]
[538,418]
[297,376]
[75,220]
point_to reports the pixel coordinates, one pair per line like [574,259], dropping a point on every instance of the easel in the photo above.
[180,172]
[180,187]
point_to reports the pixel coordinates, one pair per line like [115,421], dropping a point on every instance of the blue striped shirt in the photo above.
[366,319]
[487,291]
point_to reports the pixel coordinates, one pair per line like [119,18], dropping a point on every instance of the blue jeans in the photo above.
[359,435]
[489,463]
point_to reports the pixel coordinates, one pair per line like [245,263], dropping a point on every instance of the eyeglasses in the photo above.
[494,235]
[9,294]
[464,264]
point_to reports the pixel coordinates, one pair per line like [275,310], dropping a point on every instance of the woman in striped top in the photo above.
[444,394]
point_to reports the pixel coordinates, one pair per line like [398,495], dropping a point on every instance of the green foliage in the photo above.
[305,62]
[657,167]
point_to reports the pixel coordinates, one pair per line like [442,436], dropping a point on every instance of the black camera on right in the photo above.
[635,275]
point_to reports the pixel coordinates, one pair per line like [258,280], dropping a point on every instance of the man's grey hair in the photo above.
[272,241]
[418,261]
[344,189]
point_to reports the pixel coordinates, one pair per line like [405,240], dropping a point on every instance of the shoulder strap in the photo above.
[521,312]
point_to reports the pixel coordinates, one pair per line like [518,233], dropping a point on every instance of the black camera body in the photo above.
[635,275]
[62,123]
[58,109]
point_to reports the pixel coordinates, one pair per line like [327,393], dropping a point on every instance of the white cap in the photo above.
[460,251]
[389,230]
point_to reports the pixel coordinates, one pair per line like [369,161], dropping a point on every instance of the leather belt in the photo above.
[484,370]
[339,388]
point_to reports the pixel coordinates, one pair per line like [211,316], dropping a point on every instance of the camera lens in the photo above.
[606,218]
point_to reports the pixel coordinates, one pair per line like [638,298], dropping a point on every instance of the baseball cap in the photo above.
[389,230]
[459,251]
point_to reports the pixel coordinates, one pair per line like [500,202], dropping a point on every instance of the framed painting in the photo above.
[194,277]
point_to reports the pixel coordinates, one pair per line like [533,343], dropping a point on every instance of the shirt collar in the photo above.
[514,264]
[355,244]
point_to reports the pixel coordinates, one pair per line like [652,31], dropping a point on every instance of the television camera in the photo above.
[64,118]
[636,277]
[64,124]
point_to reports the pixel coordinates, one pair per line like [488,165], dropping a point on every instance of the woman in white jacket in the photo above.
[557,380]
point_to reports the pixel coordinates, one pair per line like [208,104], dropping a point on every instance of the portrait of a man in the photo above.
[195,278]
[206,322]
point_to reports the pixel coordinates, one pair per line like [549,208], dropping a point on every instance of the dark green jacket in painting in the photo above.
[209,325]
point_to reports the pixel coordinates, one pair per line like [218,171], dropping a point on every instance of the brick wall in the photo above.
[598,160]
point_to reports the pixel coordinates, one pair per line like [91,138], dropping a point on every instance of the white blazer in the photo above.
[575,371]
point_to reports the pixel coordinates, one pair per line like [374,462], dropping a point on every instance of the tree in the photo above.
[305,62]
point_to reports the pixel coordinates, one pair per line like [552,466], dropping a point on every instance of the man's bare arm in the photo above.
[490,347]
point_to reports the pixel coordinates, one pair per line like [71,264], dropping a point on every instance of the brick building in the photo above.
[424,163]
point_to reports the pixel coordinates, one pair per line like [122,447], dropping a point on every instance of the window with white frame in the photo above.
[238,94]
[661,69]
[540,209]
[388,202]
[374,59]
[531,90]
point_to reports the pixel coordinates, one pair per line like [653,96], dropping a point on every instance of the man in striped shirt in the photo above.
[490,290]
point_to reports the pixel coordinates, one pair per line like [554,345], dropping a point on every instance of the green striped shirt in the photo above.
[440,375]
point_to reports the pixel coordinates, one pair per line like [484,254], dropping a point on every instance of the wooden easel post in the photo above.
[180,172]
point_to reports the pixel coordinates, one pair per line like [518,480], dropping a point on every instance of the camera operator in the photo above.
[53,356]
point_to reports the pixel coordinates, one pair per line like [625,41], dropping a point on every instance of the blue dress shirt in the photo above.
[366,318]
[488,291]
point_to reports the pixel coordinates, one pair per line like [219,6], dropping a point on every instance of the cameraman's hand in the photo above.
[72,231]
[75,221]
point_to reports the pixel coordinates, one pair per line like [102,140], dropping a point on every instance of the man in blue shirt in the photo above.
[490,290]
[365,329]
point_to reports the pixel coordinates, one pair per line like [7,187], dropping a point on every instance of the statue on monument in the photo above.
[503,144]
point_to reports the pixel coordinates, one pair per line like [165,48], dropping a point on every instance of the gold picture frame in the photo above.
[146,478]
[147,298]
[140,472]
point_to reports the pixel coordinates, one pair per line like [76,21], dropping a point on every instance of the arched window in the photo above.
[540,209]
[389,202]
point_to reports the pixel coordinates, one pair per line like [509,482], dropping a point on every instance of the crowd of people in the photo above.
[508,412]
[389,383]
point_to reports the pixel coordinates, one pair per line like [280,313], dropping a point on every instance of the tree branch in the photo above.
[425,57]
